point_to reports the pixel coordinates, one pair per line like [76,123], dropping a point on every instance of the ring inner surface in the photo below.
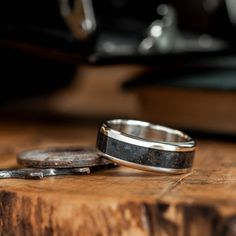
[148,131]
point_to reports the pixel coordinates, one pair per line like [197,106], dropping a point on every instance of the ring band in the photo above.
[146,146]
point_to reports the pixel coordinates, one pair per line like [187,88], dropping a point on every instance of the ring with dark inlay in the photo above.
[146,146]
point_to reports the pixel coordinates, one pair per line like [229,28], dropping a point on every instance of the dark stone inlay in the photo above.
[143,155]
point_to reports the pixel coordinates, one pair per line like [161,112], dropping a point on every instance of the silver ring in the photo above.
[146,146]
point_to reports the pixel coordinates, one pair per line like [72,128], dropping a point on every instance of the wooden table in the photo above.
[120,201]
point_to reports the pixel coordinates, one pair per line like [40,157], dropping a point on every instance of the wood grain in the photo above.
[120,201]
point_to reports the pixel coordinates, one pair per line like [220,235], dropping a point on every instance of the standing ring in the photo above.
[146,146]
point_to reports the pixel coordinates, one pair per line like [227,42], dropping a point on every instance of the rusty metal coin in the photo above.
[62,158]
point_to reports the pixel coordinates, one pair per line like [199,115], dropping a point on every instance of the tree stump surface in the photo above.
[118,201]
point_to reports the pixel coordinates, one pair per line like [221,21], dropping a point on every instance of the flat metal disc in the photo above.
[62,158]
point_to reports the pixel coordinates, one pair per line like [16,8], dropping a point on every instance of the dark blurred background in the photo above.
[171,62]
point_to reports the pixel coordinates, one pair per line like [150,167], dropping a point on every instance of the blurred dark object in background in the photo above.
[24,75]
[42,42]
[124,30]
[191,98]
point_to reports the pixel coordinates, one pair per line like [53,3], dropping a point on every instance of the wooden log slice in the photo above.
[118,201]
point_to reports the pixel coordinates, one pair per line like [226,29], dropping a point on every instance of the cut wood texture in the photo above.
[120,201]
